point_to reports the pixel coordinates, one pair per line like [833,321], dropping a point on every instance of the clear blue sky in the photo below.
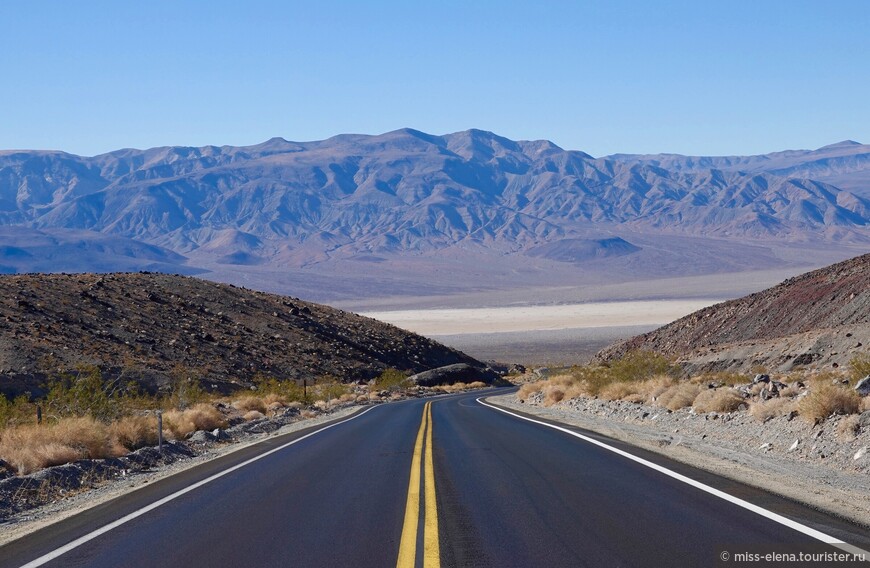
[694,77]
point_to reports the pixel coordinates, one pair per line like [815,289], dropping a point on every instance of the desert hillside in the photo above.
[149,327]
[819,318]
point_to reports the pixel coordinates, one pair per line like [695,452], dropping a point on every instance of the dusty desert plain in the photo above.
[560,325]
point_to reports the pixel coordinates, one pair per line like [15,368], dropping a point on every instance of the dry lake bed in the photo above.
[540,335]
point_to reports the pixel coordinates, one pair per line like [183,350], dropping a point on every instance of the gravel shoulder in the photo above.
[814,465]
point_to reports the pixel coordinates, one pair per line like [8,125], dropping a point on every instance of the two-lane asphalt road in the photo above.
[446,481]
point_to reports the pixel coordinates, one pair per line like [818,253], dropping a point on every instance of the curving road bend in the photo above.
[446,481]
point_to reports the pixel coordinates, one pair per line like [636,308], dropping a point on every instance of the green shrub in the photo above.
[389,379]
[17,411]
[640,365]
[82,393]
[286,390]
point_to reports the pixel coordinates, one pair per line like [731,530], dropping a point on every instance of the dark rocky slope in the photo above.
[818,318]
[151,327]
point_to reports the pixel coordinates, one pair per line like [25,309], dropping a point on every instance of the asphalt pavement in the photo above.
[445,481]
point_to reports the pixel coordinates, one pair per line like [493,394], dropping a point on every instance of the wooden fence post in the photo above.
[160,431]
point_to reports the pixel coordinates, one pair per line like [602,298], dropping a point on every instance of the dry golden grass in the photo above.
[849,427]
[722,377]
[134,432]
[529,389]
[203,416]
[764,410]
[253,415]
[653,388]
[678,396]
[791,390]
[30,448]
[248,403]
[271,398]
[621,391]
[826,399]
[553,394]
[718,400]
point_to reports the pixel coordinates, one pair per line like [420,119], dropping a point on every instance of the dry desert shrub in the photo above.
[253,415]
[849,427]
[791,390]
[825,399]
[529,389]
[273,397]
[723,377]
[203,416]
[477,385]
[620,391]
[274,407]
[865,404]
[134,432]
[30,448]
[653,388]
[764,410]
[718,400]
[553,394]
[247,403]
[678,396]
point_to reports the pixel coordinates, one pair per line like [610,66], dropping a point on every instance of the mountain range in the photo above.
[390,200]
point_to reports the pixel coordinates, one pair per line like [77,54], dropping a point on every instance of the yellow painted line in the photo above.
[408,545]
[431,552]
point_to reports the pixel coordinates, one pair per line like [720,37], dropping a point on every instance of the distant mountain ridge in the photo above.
[406,192]
[845,164]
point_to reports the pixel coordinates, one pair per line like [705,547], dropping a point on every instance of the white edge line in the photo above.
[138,513]
[711,490]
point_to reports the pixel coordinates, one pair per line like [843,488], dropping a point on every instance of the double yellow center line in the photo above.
[408,545]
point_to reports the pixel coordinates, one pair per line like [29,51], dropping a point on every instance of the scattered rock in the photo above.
[201,436]
[460,372]
[863,386]
[794,446]
[220,434]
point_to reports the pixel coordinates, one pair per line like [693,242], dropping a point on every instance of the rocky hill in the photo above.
[150,327]
[406,192]
[821,318]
